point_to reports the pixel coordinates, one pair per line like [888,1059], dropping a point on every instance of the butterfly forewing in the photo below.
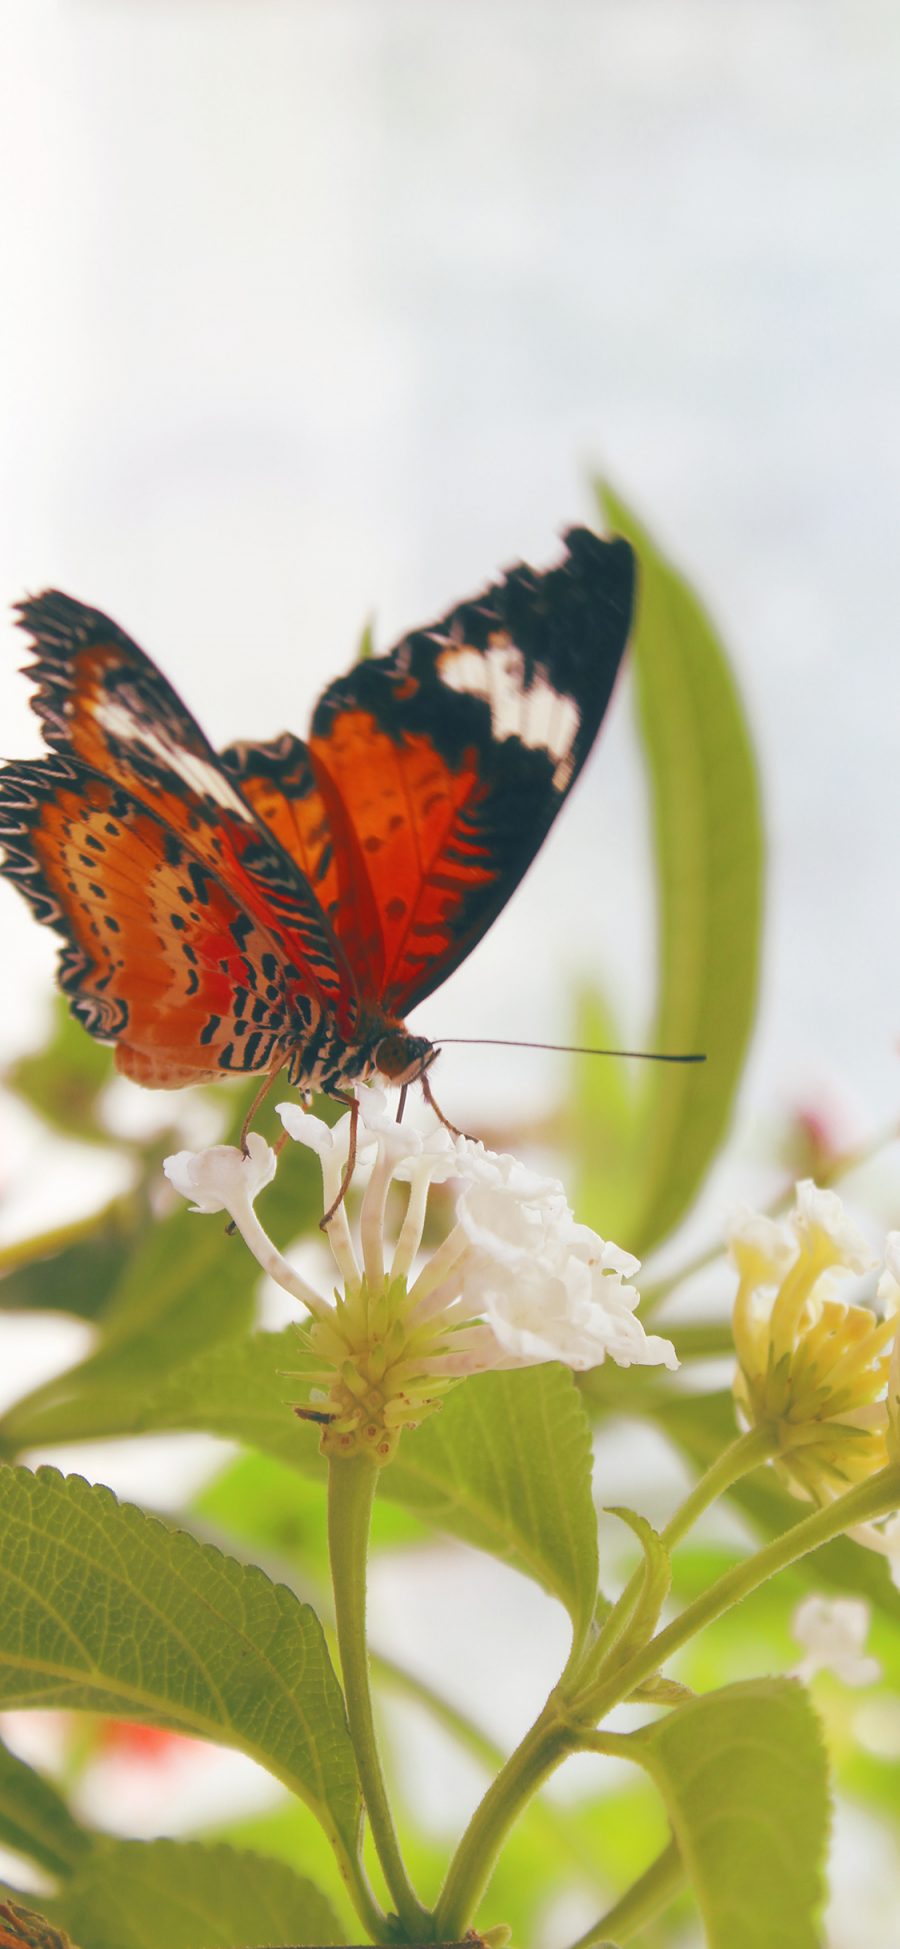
[452,755]
[101,700]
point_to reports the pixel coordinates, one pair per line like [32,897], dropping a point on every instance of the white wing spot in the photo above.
[197,772]
[541,718]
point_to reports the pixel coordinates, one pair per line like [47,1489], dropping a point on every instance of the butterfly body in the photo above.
[283,905]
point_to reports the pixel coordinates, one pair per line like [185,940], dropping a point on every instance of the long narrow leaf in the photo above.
[709,857]
[35,1820]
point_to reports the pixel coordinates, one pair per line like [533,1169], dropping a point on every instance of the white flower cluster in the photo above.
[515,1281]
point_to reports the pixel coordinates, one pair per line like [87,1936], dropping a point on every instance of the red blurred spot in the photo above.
[153,1745]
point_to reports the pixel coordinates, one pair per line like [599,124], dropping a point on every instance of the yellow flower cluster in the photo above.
[820,1369]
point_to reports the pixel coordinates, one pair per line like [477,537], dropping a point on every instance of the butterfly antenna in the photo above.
[567,1048]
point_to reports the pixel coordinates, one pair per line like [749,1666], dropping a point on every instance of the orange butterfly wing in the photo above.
[220,913]
[433,774]
[104,703]
[363,826]
[160,957]
[452,755]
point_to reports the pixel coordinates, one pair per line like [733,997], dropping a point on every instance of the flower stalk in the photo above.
[515,1281]
[550,1740]
[865,1503]
[641,1903]
[351,1491]
[748,1452]
[584,1698]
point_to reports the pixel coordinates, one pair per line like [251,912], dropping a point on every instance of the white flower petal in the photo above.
[514,1219]
[222,1178]
[889,1283]
[601,1252]
[832,1631]
[437,1160]
[478,1165]
[543,1311]
[761,1248]
[331,1141]
[821,1222]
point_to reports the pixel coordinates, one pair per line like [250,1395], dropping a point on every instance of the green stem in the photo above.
[746,1453]
[372,1917]
[351,1491]
[743,1455]
[554,1735]
[548,1741]
[646,1899]
[550,1819]
[879,1496]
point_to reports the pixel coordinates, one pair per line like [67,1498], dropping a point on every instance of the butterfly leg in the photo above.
[259,1098]
[350,1165]
[433,1105]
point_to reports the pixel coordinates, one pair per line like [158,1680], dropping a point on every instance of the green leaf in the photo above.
[744,1779]
[260,1503]
[185,1895]
[34,1819]
[506,1465]
[244,1390]
[365,648]
[107,1610]
[188,1287]
[179,1293]
[709,853]
[64,1080]
[601,1117]
[75,1268]
[639,1624]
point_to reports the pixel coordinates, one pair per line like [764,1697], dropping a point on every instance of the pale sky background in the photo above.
[314,310]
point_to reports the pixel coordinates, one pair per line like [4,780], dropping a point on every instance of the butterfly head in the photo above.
[401,1058]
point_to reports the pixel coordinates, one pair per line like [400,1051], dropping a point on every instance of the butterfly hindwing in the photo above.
[160,958]
[300,803]
[104,703]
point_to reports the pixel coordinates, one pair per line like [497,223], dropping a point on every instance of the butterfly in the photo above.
[23,1928]
[285,905]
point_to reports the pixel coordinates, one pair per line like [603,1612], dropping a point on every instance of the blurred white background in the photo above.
[315,308]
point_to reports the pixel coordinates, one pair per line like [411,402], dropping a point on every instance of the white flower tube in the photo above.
[225,1178]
